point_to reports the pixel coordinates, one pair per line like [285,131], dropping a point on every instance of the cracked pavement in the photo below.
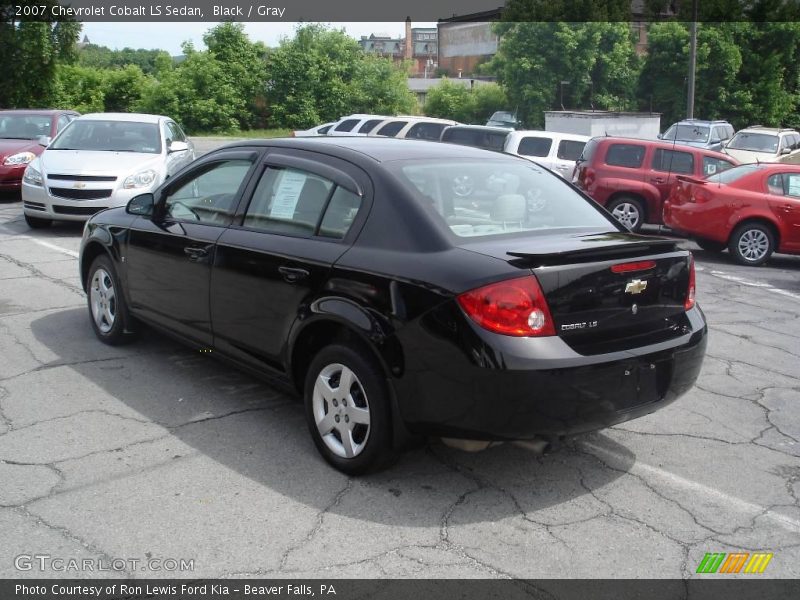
[152,450]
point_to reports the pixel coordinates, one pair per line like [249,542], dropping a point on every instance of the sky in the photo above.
[170,36]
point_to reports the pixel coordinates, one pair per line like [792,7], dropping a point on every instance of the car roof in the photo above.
[379,149]
[762,129]
[482,128]
[135,117]
[668,145]
[37,111]
[704,121]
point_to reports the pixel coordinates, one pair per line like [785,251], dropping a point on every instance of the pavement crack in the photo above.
[42,275]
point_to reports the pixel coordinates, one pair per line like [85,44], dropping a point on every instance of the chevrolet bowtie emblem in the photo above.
[637,286]
[78,185]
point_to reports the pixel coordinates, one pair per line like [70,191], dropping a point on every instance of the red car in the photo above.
[20,131]
[753,210]
[633,177]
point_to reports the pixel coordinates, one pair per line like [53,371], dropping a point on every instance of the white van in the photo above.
[556,151]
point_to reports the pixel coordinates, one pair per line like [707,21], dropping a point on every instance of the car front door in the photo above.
[268,266]
[169,256]
[783,195]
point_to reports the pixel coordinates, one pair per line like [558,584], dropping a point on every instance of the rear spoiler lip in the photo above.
[690,179]
[611,252]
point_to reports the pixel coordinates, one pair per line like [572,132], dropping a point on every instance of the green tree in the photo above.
[30,52]
[542,65]
[101,57]
[321,74]
[124,88]
[450,100]
[79,88]
[488,99]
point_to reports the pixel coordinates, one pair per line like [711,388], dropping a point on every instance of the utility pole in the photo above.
[692,61]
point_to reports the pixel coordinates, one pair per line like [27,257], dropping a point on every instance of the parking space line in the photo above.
[676,481]
[45,244]
[756,284]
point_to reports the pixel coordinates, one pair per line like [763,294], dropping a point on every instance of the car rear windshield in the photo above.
[687,133]
[754,142]
[496,197]
[733,174]
[23,127]
[109,136]
[479,138]
[589,149]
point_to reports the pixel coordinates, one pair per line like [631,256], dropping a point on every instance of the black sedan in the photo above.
[352,269]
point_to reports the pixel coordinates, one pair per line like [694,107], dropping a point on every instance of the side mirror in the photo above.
[141,205]
[659,136]
[177,146]
[786,151]
[44,140]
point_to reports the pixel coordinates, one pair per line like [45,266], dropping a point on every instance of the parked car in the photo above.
[356,125]
[23,136]
[633,177]
[711,135]
[102,160]
[314,131]
[753,210]
[347,268]
[505,119]
[477,136]
[765,144]
[417,128]
[556,151]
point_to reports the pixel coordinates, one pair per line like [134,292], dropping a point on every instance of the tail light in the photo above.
[690,292]
[515,307]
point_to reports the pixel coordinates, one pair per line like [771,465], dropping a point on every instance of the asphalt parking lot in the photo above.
[153,451]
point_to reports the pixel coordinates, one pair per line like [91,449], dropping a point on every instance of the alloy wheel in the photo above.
[753,244]
[103,300]
[627,214]
[341,410]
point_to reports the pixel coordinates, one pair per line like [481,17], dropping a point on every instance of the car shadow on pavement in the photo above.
[257,431]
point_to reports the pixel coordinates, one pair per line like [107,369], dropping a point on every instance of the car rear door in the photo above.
[168,257]
[783,195]
[567,153]
[666,165]
[303,213]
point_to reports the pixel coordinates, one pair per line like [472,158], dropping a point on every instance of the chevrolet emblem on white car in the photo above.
[637,286]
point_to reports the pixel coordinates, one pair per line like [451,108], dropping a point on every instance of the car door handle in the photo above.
[293,275]
[195,252]
[658,180]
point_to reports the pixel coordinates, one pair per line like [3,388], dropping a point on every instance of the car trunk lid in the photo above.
[606,291]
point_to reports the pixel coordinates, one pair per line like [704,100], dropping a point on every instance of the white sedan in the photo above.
[99,161]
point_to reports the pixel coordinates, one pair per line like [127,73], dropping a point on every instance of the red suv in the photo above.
[633,177]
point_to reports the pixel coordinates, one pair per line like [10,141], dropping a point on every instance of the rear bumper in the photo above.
[561,393]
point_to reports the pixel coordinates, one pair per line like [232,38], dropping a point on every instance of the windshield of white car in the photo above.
[754,142]
[497,197]
[109,136]
[687,133]
[23,127]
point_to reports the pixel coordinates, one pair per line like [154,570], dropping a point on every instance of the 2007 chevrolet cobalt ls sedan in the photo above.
[352,269]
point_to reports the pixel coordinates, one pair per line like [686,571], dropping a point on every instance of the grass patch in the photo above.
[251,134]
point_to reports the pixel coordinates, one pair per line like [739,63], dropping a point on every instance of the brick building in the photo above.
[419,46]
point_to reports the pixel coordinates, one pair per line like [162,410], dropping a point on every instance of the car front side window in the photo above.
[209,196]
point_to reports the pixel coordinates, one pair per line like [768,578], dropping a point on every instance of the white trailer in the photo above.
[597,123]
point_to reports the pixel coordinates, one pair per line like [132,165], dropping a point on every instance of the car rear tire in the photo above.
[111,321]
[347,410]
[37,222]
[627,210]
[752,244]
[710,245]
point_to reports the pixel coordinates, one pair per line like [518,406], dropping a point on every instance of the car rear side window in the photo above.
[673,161]
[340,213]
[347,125]
[209,196]
[288,202]
[784,184]
[392,129]
[625,155]
[425,131]
[712,165]
[478,138]
[570,149]
[535,146]
[369,125]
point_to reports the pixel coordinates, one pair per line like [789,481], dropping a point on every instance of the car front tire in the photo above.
[627,210]
[111,321]
[37,222]
[347,410]
[752,244]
